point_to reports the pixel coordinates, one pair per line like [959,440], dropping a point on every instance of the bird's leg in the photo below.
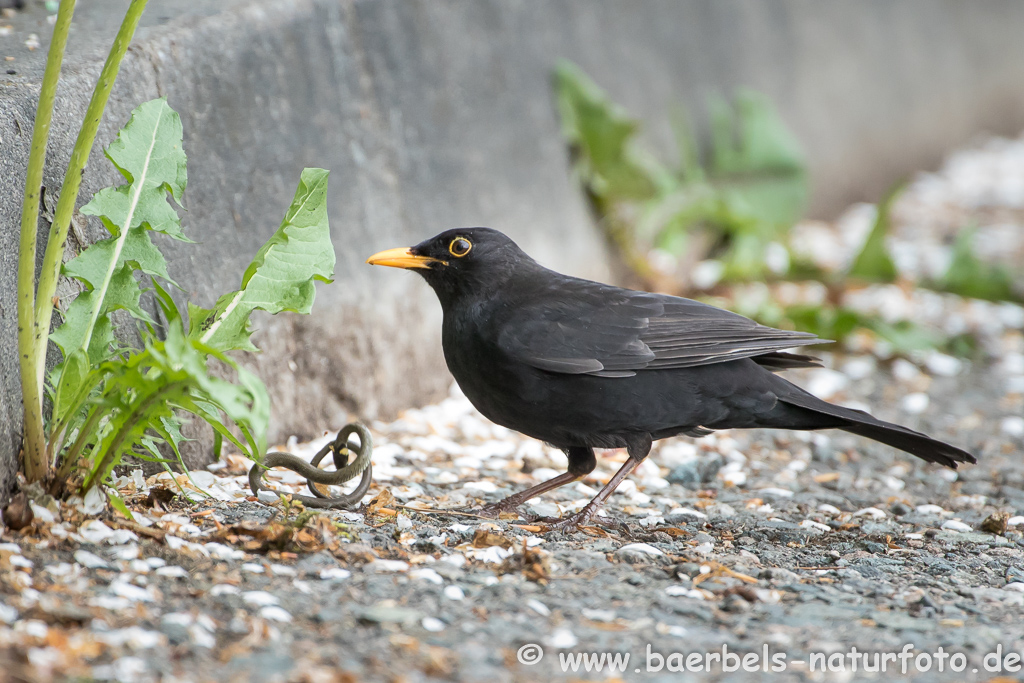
[637,452]
[581,463]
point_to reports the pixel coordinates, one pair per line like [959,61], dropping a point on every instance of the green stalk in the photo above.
[34,457]
[73,180]
[55,443]
[86,430]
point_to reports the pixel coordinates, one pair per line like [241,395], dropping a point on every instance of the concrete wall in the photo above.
[436,114]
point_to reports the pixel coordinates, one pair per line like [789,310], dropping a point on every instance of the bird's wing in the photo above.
[581,327]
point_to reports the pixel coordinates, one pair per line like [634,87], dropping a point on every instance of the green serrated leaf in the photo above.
[148,153]
[136,249]
[281,276]
[71,335]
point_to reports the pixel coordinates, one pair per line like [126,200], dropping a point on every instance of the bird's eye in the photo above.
[459,247]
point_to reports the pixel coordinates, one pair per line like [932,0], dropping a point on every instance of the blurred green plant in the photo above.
[968,276]
[736,205]
[752,187]
[873,262]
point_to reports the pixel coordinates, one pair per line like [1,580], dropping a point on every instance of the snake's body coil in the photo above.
[344,470]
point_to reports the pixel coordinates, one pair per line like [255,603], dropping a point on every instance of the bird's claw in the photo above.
[570,523]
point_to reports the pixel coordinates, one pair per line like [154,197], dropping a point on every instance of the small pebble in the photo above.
[89,560]
[432,624]
[915,404]
[259,598]
[454,593]
[173,572]
[1012,426]
[334,574]
[275,613]
[538,607]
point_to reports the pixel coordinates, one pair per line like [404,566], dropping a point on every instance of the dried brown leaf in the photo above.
[485,539]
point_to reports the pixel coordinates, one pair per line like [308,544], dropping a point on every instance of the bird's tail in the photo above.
[859,422]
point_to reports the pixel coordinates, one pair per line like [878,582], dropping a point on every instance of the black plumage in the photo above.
[583,365]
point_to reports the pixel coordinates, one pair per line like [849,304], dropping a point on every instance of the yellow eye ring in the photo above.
[459,247]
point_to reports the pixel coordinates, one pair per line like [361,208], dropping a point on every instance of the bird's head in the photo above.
[457,262]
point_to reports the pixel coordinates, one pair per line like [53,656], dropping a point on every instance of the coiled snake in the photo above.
[344,470]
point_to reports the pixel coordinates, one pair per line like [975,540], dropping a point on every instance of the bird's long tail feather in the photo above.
[863,424]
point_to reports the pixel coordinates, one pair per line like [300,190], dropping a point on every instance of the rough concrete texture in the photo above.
[437,114]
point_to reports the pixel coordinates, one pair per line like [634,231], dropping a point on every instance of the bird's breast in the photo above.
[507,391]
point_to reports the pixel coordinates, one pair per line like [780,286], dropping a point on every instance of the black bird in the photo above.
[584,365]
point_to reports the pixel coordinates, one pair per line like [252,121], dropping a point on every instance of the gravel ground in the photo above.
[786,549]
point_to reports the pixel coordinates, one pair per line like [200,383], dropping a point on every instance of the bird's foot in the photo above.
[571,522]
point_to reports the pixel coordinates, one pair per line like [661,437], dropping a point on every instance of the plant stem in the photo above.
[34,457]
[73,180]
[86,430]
[55,442]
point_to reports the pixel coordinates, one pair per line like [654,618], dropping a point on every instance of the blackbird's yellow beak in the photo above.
[401,258]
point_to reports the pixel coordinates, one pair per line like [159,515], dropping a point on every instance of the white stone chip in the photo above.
[334,573]
[275,613]
[172,572]
[219,551]
[826,383]
[8,614]
[641,548]
[454,593]
[538,607]
[432,624]
[943,365]
[685,512]
[915,403]
[387,566]
[684,592]
[427,574]
[129,591]
[283,570]
[492,555]
[1012,426]
[259,598]
[89,560]
[21,561]
[772,491]
[603,615]
[41,514]
[481,486]
[562,638]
